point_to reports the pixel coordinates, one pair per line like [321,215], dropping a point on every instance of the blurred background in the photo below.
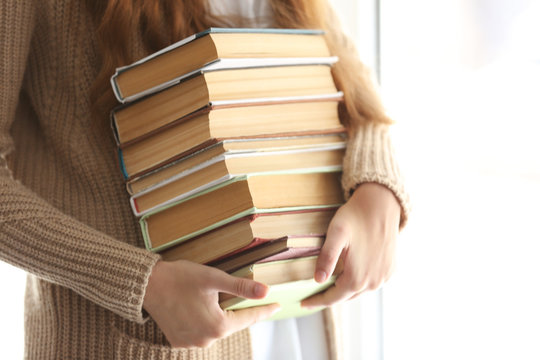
[462,80]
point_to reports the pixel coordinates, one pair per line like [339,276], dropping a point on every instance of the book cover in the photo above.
[304,228]
[289,247]
[211,125]
[234,164]
[216,105]
[174,168]
[185,43]
[293,190]
[288,295]
[222,87]
[228,64]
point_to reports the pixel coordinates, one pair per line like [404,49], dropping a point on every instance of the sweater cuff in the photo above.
[108,272]
[370,158]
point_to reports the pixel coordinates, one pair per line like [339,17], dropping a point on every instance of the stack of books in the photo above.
[231,147]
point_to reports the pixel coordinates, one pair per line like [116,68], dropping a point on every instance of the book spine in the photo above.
[114,128]
[122,164]
[115,88]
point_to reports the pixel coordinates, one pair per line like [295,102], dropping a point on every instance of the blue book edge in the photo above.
[122,164]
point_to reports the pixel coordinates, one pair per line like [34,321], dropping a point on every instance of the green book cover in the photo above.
[288,295]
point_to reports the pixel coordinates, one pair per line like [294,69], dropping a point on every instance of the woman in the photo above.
[64,214]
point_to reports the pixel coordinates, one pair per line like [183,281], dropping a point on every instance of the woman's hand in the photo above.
[363,233]
[182,297]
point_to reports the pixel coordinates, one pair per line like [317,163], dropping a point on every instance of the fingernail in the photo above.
[259,290]
[320,276]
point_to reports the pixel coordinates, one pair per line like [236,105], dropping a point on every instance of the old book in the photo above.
[220,88]
[281,272]
[249,232]
[217,47]
[227,166]
[232,146]
[212,123]
[288,295]
[290,247]
[239,197]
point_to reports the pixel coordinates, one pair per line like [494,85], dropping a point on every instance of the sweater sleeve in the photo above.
[37,237]
[370,158]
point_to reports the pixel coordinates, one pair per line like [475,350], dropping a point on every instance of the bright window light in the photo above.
[462,79]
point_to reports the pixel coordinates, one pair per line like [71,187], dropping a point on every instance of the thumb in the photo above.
[241,287]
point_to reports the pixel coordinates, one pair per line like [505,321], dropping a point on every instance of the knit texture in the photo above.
[64,212]
[369,157]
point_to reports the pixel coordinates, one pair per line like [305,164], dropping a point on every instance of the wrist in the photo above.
[378,202]
[153,286]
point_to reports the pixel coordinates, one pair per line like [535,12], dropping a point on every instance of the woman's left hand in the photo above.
[363,234]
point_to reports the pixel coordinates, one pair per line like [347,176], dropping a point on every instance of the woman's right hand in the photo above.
[182,297]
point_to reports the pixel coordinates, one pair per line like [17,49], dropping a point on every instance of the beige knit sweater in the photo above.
[64,211]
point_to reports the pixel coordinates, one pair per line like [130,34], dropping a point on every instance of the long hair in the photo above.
[162,22]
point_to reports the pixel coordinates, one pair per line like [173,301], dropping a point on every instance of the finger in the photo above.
[336,239]
[373,286]
[332,296]
[236,286]
[347,284]
[241,319]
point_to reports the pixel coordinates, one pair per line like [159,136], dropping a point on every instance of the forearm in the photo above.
[370,158]
[38,238]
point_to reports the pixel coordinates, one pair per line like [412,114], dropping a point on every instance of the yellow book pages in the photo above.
[212,46]
[226,202]
[232,146]
[174,141]
[250,230]
[226,167]
[148,114]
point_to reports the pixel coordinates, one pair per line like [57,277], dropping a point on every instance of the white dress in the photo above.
[291,339]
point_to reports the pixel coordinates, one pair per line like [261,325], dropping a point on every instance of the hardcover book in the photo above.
[233,146]
[220,87]
[239,197]
[290,247]
[288,295]
[212,123]
[250,232]
[216,47]
[298,273]
[227,166]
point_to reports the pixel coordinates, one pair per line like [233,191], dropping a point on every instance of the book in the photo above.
[231,146]
[281,272]
[277,272]
[220,87]
[290,247]
[214,45]
[249,232]
[288,295]
[227,166]
[212,123]
[239,197]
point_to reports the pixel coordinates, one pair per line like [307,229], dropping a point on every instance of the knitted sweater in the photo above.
[64,212]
